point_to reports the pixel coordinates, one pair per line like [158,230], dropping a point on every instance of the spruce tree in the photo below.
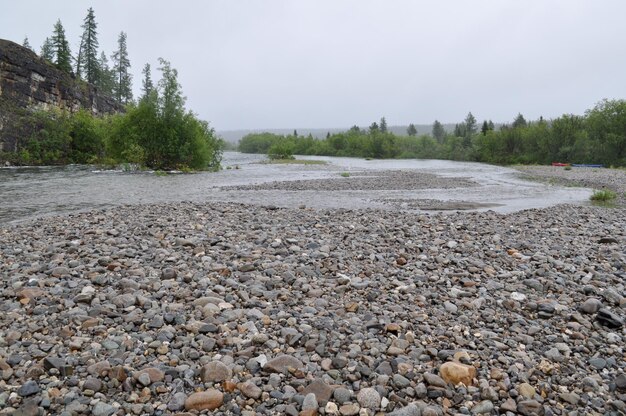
[88,64]
[26,44]
[411,130]
[383,125]
[439,132]
[147,84]
[123,79]
[106,79]
[61,48]
[46,50]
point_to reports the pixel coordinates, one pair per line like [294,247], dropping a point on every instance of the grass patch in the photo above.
[295,162]
[567,168]
[345,174]
[603,195]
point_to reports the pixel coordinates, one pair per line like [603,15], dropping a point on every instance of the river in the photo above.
[28,192]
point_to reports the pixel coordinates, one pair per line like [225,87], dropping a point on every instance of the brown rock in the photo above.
[250,390]
[320,389]
[282,364]
[456,373]
[214,372]
[205,400]
[155,374]
[526,390]
[30,293]
[99,369]
[5,370]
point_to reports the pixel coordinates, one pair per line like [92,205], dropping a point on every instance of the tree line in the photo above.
[88,64]
[598,136]
[156,131]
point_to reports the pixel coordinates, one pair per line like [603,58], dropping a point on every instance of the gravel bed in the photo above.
[596,178]
[435,204]
[239,310]
[392,180]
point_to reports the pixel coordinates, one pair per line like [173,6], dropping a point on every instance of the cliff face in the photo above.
[30,82]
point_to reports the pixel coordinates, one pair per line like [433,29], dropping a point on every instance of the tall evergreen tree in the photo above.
[439,133]
[106,79]
[383,125]
[123,79]
[87,63]
[470,125]
[61,48]
[485,128]
[26,43]
[519,121]
[46,50]
[147,86]
[411,130]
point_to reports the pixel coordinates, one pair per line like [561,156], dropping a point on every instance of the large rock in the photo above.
[204,400]
[282,364]
[455,373]
[215,371]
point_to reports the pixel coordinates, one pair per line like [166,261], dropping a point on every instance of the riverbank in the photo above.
[612,179]
[280,311]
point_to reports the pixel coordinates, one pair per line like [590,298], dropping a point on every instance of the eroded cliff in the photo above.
[29,82]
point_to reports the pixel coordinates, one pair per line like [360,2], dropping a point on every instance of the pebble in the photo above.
[259,315]
[369,398]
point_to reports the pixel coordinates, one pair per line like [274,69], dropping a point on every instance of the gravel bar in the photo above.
[237,310]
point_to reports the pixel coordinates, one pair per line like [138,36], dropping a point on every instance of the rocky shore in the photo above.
[239,310]
[612,179]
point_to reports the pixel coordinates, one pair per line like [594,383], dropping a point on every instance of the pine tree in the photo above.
[383,125]
[123,79]
[106,79]
[147,84]
[46,50]
[411,130]
[61,48]
[439,132]
[519,121]
[87,62]
[26,44]
[470,125]
[485,128]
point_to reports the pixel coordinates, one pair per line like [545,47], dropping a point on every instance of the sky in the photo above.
[252,64]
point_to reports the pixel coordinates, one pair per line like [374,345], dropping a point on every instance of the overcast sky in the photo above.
[336,63]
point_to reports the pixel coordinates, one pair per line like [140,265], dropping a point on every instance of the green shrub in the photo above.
[345,174]
[280,150]
[603,195]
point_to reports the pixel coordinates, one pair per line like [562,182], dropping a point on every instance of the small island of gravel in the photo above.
[167,308]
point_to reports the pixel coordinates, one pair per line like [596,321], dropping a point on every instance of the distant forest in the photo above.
[598,136]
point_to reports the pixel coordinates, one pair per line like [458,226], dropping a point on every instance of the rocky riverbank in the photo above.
[613,179]
[180,308]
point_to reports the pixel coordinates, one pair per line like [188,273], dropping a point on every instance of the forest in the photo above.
[154,131]
[598,137]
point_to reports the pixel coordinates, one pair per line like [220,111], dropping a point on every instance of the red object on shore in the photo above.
[560,164]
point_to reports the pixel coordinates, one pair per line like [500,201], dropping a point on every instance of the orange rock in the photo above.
[205,400]
[455,373]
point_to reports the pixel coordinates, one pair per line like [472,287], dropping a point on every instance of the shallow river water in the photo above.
[28,192]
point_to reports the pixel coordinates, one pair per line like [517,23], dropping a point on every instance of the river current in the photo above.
[29,192]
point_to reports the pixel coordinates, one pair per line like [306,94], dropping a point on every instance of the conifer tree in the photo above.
[147,84]
[46,50]
[61,48]
[411,130]
[87,63]
[439,132]
[26,43]
[123,92]
[106,79]
[383,125]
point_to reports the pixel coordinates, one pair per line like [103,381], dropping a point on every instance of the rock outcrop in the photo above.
[30,82]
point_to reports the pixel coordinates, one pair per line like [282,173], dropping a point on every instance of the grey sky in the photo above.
[335,63]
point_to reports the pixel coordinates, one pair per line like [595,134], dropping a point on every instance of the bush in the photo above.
[603,195]
[280,150]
